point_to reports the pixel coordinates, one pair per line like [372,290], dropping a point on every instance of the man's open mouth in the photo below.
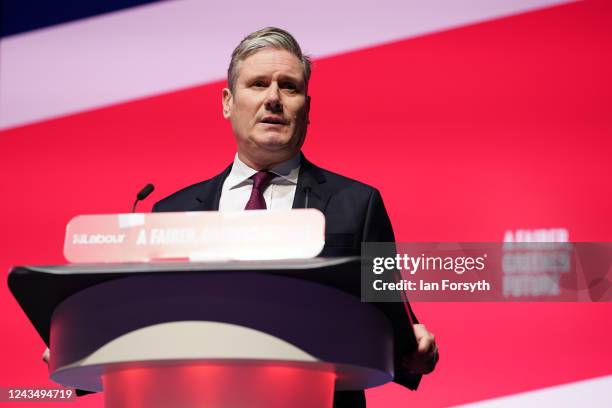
[273,120]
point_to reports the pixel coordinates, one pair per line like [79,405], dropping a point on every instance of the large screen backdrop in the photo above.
[478,121]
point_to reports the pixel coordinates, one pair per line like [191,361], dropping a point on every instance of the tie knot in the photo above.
[261,179]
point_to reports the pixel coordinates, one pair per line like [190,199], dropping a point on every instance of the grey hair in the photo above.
[269,37]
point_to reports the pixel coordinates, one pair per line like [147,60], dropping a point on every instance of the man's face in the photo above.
[269,107]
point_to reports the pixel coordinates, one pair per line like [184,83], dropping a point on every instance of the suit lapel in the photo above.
[210,195]
[313,181]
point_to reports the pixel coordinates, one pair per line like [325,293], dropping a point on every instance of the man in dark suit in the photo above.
[267,104]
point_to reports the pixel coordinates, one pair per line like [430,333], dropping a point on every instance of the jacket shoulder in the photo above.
[341,183]
[196,197]
[180,200]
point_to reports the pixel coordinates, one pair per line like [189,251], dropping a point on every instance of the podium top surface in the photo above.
[179,266]
[40,289]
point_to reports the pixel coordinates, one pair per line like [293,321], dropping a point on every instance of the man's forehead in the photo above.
[270,61]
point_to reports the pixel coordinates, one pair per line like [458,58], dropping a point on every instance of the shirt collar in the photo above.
[286,172]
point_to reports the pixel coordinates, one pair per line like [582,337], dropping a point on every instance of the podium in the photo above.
[209,334]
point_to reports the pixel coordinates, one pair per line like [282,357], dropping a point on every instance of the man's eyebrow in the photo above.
[282,77]
[255,77]
[266,76]
[292,78]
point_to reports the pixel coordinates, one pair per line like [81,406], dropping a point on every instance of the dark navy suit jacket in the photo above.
[354,213]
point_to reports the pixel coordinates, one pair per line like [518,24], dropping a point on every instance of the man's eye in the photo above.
[289,85]
[259,84]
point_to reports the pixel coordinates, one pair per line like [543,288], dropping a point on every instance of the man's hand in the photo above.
[45,355]
[424,359]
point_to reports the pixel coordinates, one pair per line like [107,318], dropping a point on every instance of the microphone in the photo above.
[306,188]
[142,194]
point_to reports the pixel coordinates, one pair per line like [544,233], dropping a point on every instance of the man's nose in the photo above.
[273,100]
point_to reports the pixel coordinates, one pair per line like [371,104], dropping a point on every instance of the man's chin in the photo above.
[273,142]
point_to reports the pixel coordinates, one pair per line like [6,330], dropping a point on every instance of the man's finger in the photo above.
[45,355]
[419,330]
[426,343]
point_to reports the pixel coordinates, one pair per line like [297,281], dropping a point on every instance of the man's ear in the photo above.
[227,100]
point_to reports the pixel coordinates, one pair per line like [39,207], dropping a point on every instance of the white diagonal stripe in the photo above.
[593,393]
[167,46]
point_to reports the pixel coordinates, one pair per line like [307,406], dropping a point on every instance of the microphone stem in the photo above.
[306,199]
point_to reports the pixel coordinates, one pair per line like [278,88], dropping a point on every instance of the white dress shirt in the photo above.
[279,194]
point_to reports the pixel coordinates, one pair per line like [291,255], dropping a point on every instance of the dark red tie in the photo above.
[261,180]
